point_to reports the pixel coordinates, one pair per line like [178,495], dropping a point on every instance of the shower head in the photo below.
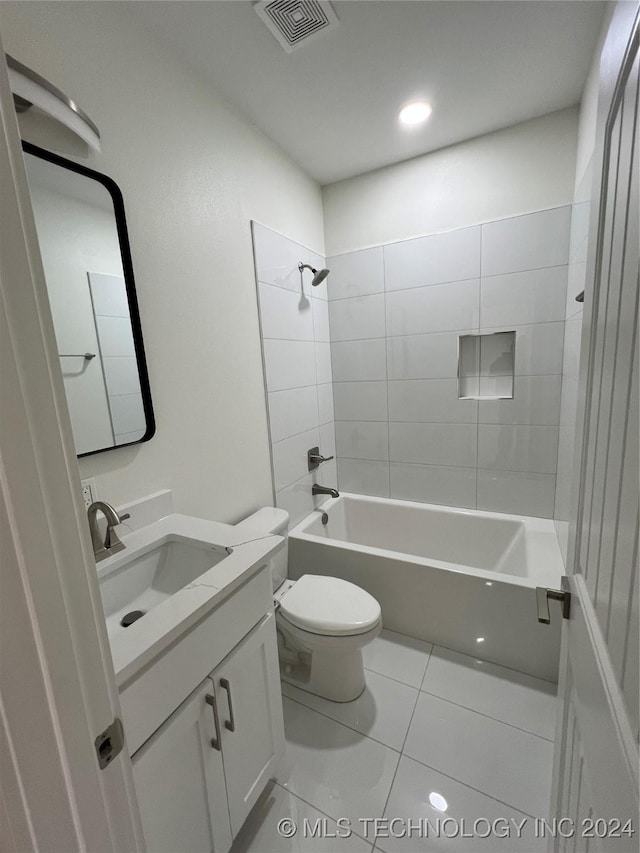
[318,275]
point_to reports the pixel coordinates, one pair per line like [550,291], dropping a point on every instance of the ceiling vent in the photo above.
[296,22]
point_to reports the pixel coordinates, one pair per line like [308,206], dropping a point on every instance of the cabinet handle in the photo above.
[210,699]
[230,723]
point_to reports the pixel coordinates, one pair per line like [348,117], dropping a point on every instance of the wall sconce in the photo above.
[31,90]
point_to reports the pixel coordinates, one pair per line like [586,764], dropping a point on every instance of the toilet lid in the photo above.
[331,606]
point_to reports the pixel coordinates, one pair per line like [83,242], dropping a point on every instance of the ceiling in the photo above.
[333,104]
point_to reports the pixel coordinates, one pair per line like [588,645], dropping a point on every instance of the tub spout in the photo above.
[324,490]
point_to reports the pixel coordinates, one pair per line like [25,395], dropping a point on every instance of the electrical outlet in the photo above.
[89,491]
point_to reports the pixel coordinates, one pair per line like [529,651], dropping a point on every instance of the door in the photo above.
[180,783]
[596,759]
[57,689]
[247,686]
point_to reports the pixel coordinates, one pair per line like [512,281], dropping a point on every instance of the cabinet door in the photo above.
[247,686]
[179,779]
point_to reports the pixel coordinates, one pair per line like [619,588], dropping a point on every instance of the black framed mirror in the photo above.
[82,232]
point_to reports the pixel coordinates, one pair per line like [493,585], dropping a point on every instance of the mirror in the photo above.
[82,233]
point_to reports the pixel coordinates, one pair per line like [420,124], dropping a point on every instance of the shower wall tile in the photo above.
[323,363]
[518,448]
[277,258]
[356,274]
[364,477]
[290,457]
[360,401]
[320,312]
[325,403]
[354,361]
[534,296]
[292,412]
[357,318]
[362,440]
[526,242]
[429,401]
[438,308]
[433,444]
[521,493]
[424,356]
[294,319]
[452,256]
[450,486]
[284,314]
[539,348]
[289,364]
[536,401]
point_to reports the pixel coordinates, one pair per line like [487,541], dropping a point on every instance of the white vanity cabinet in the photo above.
[198,776]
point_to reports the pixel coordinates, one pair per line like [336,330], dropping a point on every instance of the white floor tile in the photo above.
[505,763]
[260,832]
[409,801]
[398,656]
[509,696]
[383,712]
[343,773]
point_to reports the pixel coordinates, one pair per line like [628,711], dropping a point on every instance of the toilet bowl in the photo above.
[323,623]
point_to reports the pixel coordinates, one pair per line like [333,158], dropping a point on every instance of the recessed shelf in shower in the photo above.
[486,366]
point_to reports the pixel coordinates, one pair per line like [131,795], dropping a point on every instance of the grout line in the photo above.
[458,467]
[493,663]
[346,725]
[483,714]
[314,807]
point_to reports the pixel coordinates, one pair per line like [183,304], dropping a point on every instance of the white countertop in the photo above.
[132,650]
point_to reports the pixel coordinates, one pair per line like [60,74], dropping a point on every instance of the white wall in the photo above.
[524,168]
[193,175]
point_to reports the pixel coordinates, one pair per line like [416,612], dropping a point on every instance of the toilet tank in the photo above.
[269,521]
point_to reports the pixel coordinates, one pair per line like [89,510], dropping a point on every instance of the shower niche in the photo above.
[486,366]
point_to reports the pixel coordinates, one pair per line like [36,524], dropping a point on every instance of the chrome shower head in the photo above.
[318,275]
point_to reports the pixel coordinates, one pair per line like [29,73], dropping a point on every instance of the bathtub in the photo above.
[464,579]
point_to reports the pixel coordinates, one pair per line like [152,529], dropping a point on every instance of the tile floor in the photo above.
[430,722]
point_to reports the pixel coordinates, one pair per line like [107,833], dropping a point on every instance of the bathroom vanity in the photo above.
[198,676]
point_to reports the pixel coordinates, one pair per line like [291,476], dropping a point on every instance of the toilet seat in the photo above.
[329,606]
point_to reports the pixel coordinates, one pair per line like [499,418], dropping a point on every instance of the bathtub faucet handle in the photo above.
[314,458]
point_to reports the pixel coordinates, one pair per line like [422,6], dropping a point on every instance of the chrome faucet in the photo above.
[111,544]
[324,490]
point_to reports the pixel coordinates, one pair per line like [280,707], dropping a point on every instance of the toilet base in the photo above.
[330,667]
[339,678]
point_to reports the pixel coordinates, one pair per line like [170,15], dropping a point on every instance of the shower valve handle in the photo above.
[314,458]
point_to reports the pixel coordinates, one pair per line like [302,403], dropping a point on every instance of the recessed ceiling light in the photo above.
[415,113]
[479,639]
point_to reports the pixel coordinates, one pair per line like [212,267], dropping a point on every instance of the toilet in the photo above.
[322,623]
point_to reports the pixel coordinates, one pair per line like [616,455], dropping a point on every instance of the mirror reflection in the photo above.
[83,243]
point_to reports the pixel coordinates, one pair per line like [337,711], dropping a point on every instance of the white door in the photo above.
[596,759]
[180,782]
[247,686]
[57,690]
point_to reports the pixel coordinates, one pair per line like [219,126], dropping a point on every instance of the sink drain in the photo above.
[130,618]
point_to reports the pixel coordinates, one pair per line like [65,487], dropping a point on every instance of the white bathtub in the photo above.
[464,579]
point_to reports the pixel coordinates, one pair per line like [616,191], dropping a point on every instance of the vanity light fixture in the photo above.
[31,90]
[415,113]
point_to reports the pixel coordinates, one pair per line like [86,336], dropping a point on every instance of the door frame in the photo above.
[57,684]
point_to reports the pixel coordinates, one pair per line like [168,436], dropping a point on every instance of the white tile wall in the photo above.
[434,484]
[356,274]
[433,444]
[453,256]
[115,335]
[127,413]
[364,401]
[357,318]
[526,242]
[437,308]
[362,440]
[393,319]
[294,320]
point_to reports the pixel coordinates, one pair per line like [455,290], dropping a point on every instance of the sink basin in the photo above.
[141,581]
